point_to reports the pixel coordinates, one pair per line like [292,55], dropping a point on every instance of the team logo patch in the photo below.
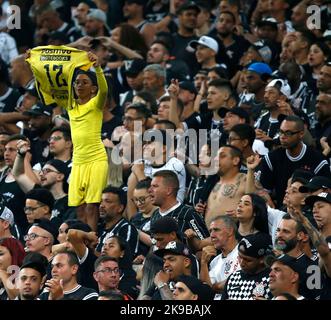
[259,289]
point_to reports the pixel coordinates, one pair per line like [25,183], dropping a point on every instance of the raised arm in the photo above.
[125,51]
[79,238]
[24,180]
[102,83]
[173,90]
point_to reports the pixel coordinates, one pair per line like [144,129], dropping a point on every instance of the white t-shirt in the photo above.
[173,165]
[221,267]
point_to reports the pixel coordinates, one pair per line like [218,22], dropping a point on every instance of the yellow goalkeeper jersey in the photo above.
[53,68]
[86,122]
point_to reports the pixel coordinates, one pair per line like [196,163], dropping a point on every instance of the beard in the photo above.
[287,246]
[224,34]
[28,296]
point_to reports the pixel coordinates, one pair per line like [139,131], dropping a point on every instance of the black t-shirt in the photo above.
[277,167]
[109,126]
[86,269]
[9,100]
[144,224]
[177,69]
[186,218]
[268,125]
[15,201]
[231,54]
[78,293]
[180,51]
[39,148]
[125,230]
[62,212]
[243,286]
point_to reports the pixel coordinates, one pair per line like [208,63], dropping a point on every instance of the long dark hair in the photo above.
[260,213]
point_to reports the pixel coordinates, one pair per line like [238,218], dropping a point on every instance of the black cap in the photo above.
[134,67]
[323,196]
[268,21]
[42,195]
[189,86]
[174,247]
[39,109]
[287,260]
[46,225]
[300,175]
[78,225]
[164,225]
[188,5]
[316,183]
[256,245]
[202,290]
[240,112]
[60,166]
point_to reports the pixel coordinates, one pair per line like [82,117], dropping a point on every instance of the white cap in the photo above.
[6,214]
[285,88]
[205,41]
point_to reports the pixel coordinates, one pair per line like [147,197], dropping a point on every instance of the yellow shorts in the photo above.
[87,182]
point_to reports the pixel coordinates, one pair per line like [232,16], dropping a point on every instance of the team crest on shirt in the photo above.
[259,289]
[227,266]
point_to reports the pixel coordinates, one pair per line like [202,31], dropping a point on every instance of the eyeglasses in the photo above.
[109,270]
[55,138]
[140,200]
[29,209]
[47,170]
[32,236]
[288,133]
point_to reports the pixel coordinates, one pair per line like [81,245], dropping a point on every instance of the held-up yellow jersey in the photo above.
[53,68]
[86,122]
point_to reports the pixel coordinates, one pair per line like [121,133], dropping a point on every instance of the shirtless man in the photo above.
[232,185]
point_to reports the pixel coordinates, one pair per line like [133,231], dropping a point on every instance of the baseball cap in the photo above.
[256,245]
[268,21]
[202,290]
[42,195]
[316,183]
[260,68]
[174,247]
[39,109]
[206,42]
[6,214]
[327,35]
[134,67]
[264,49]
[240,112]
[287,260]
[98,14]
[60,166]
[282,85]
[46,225]
[188,85]
[323,196]
[188,5]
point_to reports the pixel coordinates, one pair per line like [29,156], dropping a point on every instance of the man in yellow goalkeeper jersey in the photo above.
[90,166]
